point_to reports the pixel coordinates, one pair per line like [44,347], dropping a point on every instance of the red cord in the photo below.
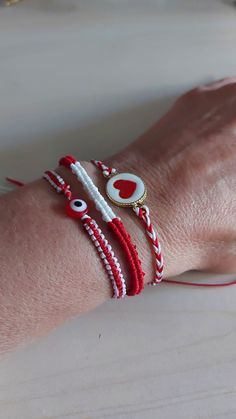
[196,284]
[64,187]
[116,274]
[15,182]
[135,258]
[136,273]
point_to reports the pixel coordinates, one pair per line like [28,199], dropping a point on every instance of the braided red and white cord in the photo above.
[102,245]
[142,212]
[107,256]
[106,171]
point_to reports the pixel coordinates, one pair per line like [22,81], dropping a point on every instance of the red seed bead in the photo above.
[66,161]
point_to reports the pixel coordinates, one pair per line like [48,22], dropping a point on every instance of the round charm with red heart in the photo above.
[126,189]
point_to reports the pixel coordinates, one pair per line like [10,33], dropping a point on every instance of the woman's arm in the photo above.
[49,270]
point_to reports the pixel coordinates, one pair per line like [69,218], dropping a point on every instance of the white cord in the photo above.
[93,238]
[101,205]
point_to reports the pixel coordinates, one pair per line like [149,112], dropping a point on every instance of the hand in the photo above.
[188,161]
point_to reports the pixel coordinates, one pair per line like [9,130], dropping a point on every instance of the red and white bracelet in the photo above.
[95,233]
[128,190]
[78,209]
[114,223]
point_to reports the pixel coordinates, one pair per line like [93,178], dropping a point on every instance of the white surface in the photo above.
[88,77]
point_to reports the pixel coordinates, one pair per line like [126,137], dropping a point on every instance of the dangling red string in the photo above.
[196,284]
[15,182]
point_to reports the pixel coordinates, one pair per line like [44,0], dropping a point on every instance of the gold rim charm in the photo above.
[126,190]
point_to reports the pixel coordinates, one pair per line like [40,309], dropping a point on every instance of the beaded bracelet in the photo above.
[78,209]
[113,222]
[128,190]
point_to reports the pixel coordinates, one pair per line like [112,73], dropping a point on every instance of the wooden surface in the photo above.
[88,77]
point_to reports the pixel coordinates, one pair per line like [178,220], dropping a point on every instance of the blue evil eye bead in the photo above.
[76,208]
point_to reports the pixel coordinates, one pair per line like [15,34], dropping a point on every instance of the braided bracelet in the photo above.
[114,223]
[128,190]
[77,208]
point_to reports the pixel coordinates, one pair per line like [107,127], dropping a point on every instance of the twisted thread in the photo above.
[103,248]
[143,213]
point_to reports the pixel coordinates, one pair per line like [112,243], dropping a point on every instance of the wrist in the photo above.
[177,251]
[78,191]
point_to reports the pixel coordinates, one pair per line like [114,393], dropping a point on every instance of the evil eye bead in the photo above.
[76,208]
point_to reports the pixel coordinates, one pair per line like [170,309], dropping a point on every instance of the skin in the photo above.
[49,271]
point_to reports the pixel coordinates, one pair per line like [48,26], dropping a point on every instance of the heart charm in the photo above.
[126,188]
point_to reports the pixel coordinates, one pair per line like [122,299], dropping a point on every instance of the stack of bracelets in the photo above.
[124,190]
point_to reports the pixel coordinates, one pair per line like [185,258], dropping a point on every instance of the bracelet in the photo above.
[128,190]
[58,185]
[113,222]
[78,209]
